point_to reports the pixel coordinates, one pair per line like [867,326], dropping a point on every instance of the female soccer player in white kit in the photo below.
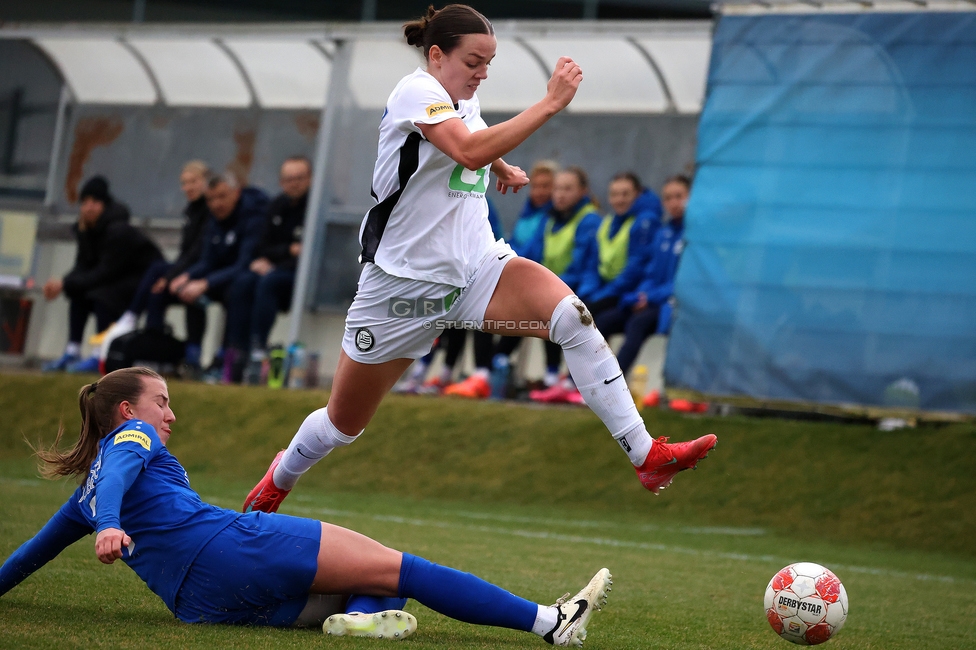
[430,258]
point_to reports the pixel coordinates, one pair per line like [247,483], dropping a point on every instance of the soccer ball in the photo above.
[806,603]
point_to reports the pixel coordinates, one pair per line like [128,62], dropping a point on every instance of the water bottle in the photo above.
[499,376]
[276,367]
[312,370]
[296,366]
[638,384]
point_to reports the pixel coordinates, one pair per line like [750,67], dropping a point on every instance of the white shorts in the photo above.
[398,318]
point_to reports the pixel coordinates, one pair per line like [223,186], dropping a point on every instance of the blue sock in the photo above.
[463,596]
[373,604]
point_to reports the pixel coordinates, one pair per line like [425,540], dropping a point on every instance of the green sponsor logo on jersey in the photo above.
[458,184]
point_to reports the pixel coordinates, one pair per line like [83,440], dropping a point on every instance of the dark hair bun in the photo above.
[445,27]
[415,30]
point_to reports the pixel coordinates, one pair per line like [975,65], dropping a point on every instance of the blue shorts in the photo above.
[257,571]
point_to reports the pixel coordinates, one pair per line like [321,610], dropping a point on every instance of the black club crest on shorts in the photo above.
[364,340]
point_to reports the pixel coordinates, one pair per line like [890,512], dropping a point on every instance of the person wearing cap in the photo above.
[110,260]
[155,282]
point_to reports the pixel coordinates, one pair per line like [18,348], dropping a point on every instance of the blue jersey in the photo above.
[166,520]
[657,283]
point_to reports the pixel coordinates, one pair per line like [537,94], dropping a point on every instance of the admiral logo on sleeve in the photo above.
[137,437]
[437,109]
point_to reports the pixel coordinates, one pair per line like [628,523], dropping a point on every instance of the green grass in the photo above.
[536,500]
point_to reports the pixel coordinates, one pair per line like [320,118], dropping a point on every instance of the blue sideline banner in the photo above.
[831,232]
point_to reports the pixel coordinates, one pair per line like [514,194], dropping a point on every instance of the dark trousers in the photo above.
[454,340]
[78,311]
[253,303]
[637,327]
[107,302]
[554,354]
[140,301]
[196,315]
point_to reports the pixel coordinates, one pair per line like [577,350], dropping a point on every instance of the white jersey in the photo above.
[431,219]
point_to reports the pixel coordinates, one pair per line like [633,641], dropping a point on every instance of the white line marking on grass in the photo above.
[584,523]
[620,543]
[648,528]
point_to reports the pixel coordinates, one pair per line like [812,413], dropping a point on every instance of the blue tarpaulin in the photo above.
[831,232]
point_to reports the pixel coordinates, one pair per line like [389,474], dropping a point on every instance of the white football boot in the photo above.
[391,624]
[575,612]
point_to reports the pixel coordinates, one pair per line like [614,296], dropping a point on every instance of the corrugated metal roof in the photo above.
[632,67]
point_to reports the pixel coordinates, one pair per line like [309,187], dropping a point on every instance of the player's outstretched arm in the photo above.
[475,150]
[109,543]
[58,533]
[121,465]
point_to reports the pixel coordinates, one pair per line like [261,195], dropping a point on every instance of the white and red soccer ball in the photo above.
[806,603]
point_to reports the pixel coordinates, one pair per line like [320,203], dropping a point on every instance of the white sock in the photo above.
[128,320]
[446,374]
[315,439]
[598,377]
[551,378]
[636,443]
[484,373]
[74,349]
[545,620]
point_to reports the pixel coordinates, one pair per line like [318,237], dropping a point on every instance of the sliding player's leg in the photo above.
[528,292]
[353,563]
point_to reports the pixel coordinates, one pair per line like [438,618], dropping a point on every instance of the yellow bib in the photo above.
[557,248]
[613,251]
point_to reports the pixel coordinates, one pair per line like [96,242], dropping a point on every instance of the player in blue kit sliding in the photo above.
[211,565]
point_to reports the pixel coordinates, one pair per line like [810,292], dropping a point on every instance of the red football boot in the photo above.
[474,387]
[265,496]
[665,460]
[557,394]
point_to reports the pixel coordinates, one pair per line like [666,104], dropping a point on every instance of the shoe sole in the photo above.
[392,625]
[596,594]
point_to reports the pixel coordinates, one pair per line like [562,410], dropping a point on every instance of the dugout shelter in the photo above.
[134,102]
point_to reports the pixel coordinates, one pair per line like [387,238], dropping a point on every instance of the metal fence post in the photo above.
[320,197]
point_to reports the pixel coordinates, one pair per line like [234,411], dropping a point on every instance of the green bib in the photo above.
[557,248]
[613,252]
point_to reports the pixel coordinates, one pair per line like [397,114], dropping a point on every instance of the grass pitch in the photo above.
[536,500]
